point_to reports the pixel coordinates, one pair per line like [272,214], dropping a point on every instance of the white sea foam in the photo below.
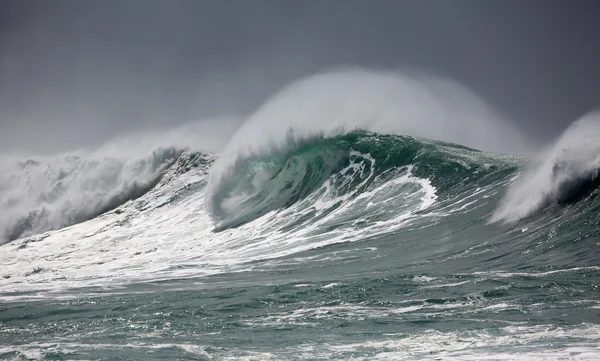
[518,343]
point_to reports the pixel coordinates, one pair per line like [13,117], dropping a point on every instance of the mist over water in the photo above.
[412,103]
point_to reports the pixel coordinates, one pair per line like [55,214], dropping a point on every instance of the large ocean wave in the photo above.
[307,121]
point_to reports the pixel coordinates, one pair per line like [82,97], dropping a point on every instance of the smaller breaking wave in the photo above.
[48,193]
[44,193]
[566,173]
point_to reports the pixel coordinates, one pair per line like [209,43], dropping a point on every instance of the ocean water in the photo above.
[353,245]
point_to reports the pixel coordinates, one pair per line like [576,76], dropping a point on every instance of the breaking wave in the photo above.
[46,193]
[565,173]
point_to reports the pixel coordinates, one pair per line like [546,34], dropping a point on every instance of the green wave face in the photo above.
[330,172]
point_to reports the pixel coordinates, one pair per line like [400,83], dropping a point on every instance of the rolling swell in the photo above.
[335,170]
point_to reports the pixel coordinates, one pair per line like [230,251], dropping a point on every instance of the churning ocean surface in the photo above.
[347,244]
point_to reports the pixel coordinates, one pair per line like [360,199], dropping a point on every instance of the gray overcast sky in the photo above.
[76,72]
